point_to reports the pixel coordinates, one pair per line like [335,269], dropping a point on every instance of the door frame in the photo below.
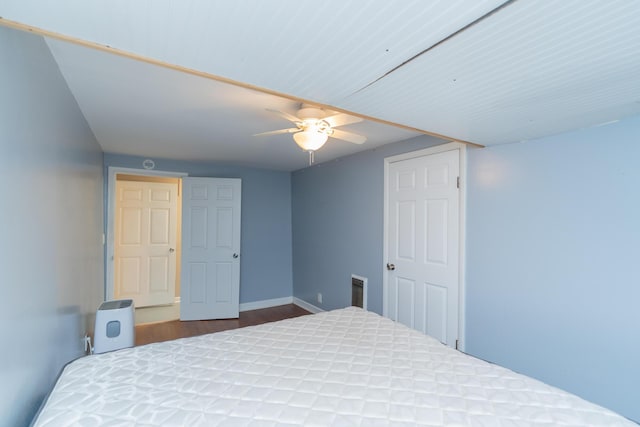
[111,205]
[462,156]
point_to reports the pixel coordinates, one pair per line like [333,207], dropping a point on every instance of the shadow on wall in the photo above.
[71,327]
[68,340]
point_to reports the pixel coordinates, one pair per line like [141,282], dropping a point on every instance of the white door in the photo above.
[145,242]
[210,273]
[422,283]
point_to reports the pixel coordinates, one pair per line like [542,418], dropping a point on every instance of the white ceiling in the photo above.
[137,108]
[454,68]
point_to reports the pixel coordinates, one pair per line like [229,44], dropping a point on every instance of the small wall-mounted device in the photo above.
[148,164]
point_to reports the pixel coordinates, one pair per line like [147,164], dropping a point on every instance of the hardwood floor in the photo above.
[165,331]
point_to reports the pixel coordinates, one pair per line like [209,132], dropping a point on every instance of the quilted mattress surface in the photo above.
[346,367]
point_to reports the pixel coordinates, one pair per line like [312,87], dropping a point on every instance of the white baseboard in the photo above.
[309,307]
[256,305]
[172,311]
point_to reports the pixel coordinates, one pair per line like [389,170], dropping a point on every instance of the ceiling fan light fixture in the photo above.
[313,128]
[310,140]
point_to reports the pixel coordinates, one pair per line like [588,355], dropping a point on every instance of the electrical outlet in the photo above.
[319,298]
[87,344]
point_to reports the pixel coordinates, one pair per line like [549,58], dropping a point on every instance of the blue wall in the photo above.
[51,252]
[553,276]
[265,270]
[338,225]
[553,228]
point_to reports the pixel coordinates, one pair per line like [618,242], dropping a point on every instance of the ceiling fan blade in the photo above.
[348,136]
[341,120]
[278,132]
[287,116]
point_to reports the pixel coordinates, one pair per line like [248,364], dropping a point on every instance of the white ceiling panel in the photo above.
[141,109]
[488,72]
[532,69]
[321,51]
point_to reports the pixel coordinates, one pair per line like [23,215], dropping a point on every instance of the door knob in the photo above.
[391,267]
[171,250]
[236,255]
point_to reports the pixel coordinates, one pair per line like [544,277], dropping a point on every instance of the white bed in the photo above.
[346,367]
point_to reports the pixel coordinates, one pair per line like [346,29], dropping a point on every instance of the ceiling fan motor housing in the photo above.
[310,113]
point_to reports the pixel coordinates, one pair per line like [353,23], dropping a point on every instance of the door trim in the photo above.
[111,203]
[462,221]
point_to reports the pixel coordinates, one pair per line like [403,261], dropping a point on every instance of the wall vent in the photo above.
[359,291]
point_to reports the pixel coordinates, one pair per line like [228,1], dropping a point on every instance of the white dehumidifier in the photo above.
[114,326]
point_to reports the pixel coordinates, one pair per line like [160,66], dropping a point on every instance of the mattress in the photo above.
[345,367]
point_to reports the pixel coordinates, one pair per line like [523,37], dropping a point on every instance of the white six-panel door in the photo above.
[145,242]
[422,283]
[210,272]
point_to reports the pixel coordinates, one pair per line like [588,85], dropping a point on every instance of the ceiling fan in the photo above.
[314,126]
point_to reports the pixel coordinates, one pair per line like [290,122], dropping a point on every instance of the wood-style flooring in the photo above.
[164,331]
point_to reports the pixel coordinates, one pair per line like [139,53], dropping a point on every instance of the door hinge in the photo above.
[458,182]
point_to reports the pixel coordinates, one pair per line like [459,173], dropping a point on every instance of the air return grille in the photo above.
[357,291]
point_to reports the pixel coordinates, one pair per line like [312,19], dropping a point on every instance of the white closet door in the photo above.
[423,244]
